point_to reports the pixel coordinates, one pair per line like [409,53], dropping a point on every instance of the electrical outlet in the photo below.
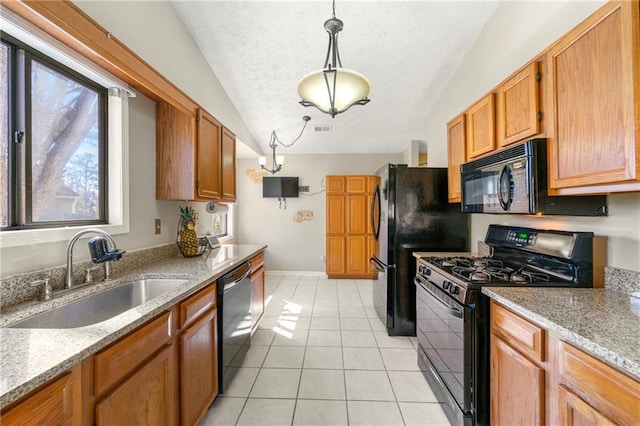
[323,259]
[303,189]
[157,227]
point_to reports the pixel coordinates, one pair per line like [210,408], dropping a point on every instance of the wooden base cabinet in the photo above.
[135,380]
[165,372]
[56,403]
[517,376]
[198,342]
[536,379]
[591,392]
[349,236]
[146,398]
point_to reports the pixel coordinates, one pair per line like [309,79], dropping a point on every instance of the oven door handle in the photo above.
[456,313]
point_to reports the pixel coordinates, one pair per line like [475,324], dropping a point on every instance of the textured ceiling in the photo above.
[408,50]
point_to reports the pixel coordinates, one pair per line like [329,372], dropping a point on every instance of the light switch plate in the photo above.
[157,227]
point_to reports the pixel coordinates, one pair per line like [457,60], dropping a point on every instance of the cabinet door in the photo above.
[228,165]
[595,90]
[335,214]
[175,153]
[257,295]
[336,185]
[198,368]
[481,134]
[148,397]
[209,181]
[456,140]
[575,412]
[517,387]
[357,260]
[357,184]
[53,404]
[518,105]
[335,255]
[357,214]
[613,394]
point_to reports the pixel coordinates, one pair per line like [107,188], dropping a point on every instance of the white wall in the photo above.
[295,246]
[166,45]
[516,33]
[153,30]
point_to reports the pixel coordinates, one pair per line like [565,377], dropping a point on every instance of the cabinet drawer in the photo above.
[257,262]
[119,359]
[520,333]
[197,305]
[612,393]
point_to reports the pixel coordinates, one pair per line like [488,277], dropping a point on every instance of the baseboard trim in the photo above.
[295,273]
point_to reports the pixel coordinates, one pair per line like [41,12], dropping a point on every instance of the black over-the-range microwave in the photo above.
[514,180]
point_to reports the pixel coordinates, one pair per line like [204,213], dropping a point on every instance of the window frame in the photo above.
[20,158]
[39,37]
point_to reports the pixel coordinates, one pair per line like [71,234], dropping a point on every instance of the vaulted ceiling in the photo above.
[407,49]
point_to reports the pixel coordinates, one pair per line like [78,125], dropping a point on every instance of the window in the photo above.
[219,224]
[54,153]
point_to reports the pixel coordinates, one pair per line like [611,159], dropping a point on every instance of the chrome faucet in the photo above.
[113,254]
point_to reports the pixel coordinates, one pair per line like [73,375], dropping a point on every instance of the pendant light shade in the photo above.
[333,89]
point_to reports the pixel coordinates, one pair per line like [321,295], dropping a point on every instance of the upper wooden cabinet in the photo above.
[594,103]
[518,106]
[209,177]
[228,165]
[481,127]
[195,156]
[175,153]
[456,140]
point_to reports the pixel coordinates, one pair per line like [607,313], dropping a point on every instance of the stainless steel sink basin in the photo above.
[101,306]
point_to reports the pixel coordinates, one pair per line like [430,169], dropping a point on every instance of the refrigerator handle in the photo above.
[375,200]
[378,265]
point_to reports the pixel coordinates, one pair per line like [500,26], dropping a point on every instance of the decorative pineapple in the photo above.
[187,238]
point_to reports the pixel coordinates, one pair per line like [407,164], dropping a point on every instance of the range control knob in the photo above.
[446,284]
[424,270]
[454,289]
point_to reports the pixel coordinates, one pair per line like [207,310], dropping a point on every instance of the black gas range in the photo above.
[453,314]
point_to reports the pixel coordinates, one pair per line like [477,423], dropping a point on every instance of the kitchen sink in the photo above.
[101,306]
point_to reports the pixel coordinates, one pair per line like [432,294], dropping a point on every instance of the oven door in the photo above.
[445,351]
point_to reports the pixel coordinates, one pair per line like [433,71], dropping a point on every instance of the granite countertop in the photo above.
[605,323]
[30,357]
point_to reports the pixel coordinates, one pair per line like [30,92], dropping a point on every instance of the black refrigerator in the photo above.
[410,212]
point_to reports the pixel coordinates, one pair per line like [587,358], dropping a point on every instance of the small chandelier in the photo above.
[277,161]
[333,89]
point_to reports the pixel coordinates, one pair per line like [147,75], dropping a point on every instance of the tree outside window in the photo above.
[60,140]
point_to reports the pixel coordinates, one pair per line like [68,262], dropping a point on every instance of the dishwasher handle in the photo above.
[230,280]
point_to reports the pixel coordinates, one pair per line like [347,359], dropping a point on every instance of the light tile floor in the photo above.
[321,356]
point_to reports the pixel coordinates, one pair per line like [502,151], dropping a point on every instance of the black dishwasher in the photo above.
[234,318]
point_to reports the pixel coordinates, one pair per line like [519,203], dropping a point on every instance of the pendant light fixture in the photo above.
[277,161]
[333,89]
